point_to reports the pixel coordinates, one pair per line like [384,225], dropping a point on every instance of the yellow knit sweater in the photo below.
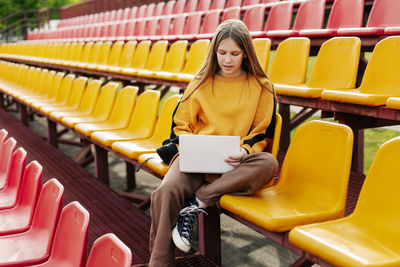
[227,106]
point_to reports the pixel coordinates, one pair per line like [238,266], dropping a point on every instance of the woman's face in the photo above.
[230,57]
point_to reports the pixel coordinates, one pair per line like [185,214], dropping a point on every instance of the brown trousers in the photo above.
[254,171]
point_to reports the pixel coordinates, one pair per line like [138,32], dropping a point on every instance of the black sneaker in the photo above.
[182,232]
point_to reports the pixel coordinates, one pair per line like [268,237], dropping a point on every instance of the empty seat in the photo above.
[279,18]
[139,58]
[292,201]
[33,246]
[380,80]
[155,59]
[210,23]
[69,247]
[120,114]
[141,125]
[344,14]
[369,236]
[289,65]
[19,218]
[109,251]
[133,149]
[7,150]
[262,46]
[335,68]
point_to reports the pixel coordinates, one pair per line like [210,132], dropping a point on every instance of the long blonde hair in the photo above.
[238,31]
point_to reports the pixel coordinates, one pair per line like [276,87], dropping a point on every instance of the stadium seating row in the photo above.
[272,20]
[35,229]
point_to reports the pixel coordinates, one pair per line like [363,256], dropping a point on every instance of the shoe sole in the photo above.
[178,240]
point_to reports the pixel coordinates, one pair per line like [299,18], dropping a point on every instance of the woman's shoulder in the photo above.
[193,86]
[263,82]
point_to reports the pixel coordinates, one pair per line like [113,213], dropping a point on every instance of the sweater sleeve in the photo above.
[263,124]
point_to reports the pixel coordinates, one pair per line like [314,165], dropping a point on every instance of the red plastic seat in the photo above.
[210,24]
[254,19]
[158,10]
[190,6]
[33,246]
[344,14]
[109,251]
[169,6]
[178,24]
[231,13]
[192,26]
[383,19]
[164,24]
[179,7]
[203,5]
[3,137]
[7,150]
[70,240]
[310,15]
[19,218]
[233,3]
[279,18]
[217,4]
[10,193]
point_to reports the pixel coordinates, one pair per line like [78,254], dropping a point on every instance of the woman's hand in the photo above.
[235,159]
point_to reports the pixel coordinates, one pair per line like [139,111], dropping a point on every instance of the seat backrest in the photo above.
[89,97]
[210,21]
[233,3]
[310,15]
[141,11]
[127,54]
[149,10]
[47,213]
[262,47]
[158,10]
[103,53]
[157,54]
[193,23]
[346,14]
[115,53]
[254,18]
[123,107]
[105,101]
[164,25]
[381,74]
[384,13]
[6,159]
[318,160]
[71,236]
[197,54]
[231,13]
[144,115]
[179,7]
[65,88]
[3,137]
[56,85]
[280,17]
[141,55]
[178,24]
[175,57]
[109,251]
[163,126]
[30,189]
[14,177]
[250,2]
[289,65]
[78,87]
[86,52]
[379,194]
[95,52]
[133,12]
[336,64]
[217,4]
[76,55]
[168,8]
[204,5]
[190,6]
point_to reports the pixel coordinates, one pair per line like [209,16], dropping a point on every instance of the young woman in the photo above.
[231,95]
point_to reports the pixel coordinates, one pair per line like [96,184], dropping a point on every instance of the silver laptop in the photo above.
[206,153]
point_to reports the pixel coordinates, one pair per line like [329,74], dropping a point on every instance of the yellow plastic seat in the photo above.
[86,105]
[56,95]
[45,91]
[114,57]
[120,113]
[102,109]
[380,81]
[34,87]
[263,48]
[72,102]
[289,65]
[62,96]
[141,125]
[139,58]
[196,56]
[156,164]
[98,54]
[312,184]
[84,56]
[335,68]
[133,149]
[155,61]
[173,62]
[125,60]
[75,55]
[393,102]
[370,235]
[39,88]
